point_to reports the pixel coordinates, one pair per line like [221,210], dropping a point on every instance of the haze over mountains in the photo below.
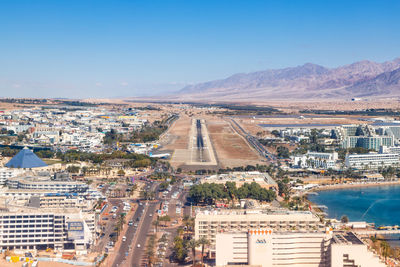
[309,81]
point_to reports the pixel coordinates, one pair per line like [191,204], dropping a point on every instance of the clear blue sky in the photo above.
[82,48]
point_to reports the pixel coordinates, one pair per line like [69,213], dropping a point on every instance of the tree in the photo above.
[73,169]
[275,133]
[283,188]
[147,195]
[193,244]
[156,223]
[283,152]
[344,219]
[203,242]
[188,222]
[179,249]
[385,247]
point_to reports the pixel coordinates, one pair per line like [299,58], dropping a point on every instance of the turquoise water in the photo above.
[379,205]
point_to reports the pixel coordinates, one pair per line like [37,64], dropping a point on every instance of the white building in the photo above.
[6,173]
[30,228]
[265,248]
[317,160]
[371,161]
[45,183]
[208,224]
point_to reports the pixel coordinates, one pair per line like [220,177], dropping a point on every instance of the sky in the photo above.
[100,49]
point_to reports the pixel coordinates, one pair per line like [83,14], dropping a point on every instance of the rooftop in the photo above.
[25,159]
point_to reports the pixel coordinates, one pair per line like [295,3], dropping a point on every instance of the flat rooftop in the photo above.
[347,238]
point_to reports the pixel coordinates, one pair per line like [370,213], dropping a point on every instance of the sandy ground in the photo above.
[231,149]
[177,136]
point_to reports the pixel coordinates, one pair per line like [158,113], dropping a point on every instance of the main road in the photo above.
[137,235]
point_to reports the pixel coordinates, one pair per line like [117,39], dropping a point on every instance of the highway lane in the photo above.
[127,247]
[138,252]
[137,235]
[130,233]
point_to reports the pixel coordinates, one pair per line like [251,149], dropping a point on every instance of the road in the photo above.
[143,216]
[130,233]
[137,235]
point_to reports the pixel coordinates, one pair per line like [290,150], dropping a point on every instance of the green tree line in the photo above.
[208,193]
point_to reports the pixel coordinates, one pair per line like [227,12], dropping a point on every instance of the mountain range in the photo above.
[364,79]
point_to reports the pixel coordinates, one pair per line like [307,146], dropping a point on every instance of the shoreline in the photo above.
[358,185]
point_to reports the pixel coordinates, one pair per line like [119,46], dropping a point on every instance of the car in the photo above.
[138,245]
[130,223]
[123,238]
[136,225]
[151,215]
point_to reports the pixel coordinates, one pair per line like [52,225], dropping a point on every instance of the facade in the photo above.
[371,161]
[390,150]
[317,160]
[46,183]
[6,173]
[32,228]
[351,136]
[209,224]
[265,248]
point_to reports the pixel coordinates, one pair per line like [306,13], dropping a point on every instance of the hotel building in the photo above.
[265,248]
[209,224]
[371,161]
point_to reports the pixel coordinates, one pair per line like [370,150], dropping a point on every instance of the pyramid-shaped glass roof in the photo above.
[25,159]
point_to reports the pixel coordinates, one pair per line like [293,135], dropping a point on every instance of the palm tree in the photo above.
[203,242]
[385,249]
[193,244]
[180,232]
[188,222]
[156,223]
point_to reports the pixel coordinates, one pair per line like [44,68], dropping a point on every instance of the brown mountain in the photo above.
[364,78]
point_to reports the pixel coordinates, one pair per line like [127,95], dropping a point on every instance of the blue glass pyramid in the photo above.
[25,159]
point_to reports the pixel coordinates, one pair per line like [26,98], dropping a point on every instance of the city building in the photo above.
[264,247]
[6,173]
[316,160]
[47,183]
[371,161]
[390,150]
[36,228]
[364,136]
[209,223]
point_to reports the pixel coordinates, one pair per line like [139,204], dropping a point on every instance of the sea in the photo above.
[375,204]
